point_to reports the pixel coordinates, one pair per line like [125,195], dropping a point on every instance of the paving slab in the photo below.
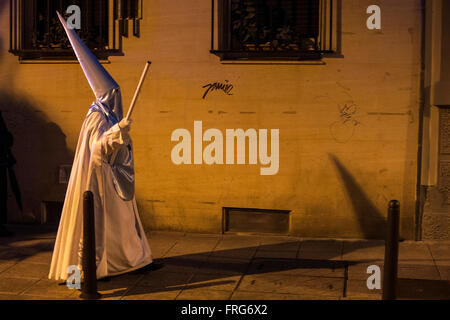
[224,266]
[188,263]
[29,248]
[28,297]
[414,252]
[112,294]
[4,296]
[37,250]
[121,282]
[26,270]
[232,246]
[357,290]
[157,234]
[204,294]
[213,282]
[11,254]
[39,257]
[193,245]
[276,254]
[444,272]
[6,264]
[160,247]
[238,241]
[145,293]
[13,285]
[298,267]
[320,250]
[116,294]
[420,289]
[357,270]
[363,250]
[440,251]
[280,244]
[236,253]
[164,280]
[203,236]
[249,295]
[418,271]
[48,288]
[300,285]
[321,245]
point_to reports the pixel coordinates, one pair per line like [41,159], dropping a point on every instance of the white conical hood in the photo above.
[106,90]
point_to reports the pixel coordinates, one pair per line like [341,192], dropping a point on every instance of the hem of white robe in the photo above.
[143,264]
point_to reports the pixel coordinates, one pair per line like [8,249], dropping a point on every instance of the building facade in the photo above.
[355,115]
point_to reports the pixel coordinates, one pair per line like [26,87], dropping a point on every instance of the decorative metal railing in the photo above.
[275,29]
[36,33]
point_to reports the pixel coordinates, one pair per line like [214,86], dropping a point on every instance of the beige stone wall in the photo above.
[336,178]
[435,171]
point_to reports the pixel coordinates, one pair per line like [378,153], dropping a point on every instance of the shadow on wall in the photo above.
[371,222]
[40,148]
[2,8]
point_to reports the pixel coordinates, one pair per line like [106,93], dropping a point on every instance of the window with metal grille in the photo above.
[275,29]
[36,33]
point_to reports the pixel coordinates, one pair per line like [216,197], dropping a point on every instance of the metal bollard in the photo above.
[89,286]
[391,252]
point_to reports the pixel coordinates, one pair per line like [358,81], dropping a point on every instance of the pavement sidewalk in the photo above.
[236,267]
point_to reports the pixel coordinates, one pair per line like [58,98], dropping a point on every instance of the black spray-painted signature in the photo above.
[225,87]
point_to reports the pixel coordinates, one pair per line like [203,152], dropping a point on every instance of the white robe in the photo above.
[121,244]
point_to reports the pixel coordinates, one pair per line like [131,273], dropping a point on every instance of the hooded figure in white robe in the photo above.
[104,165]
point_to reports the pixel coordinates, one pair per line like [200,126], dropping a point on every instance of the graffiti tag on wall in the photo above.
[224,87]
[343,129]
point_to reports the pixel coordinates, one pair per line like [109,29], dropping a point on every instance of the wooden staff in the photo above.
[136,94]
[133,102]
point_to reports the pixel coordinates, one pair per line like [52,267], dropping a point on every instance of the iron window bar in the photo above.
[102,35]
[323,39]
